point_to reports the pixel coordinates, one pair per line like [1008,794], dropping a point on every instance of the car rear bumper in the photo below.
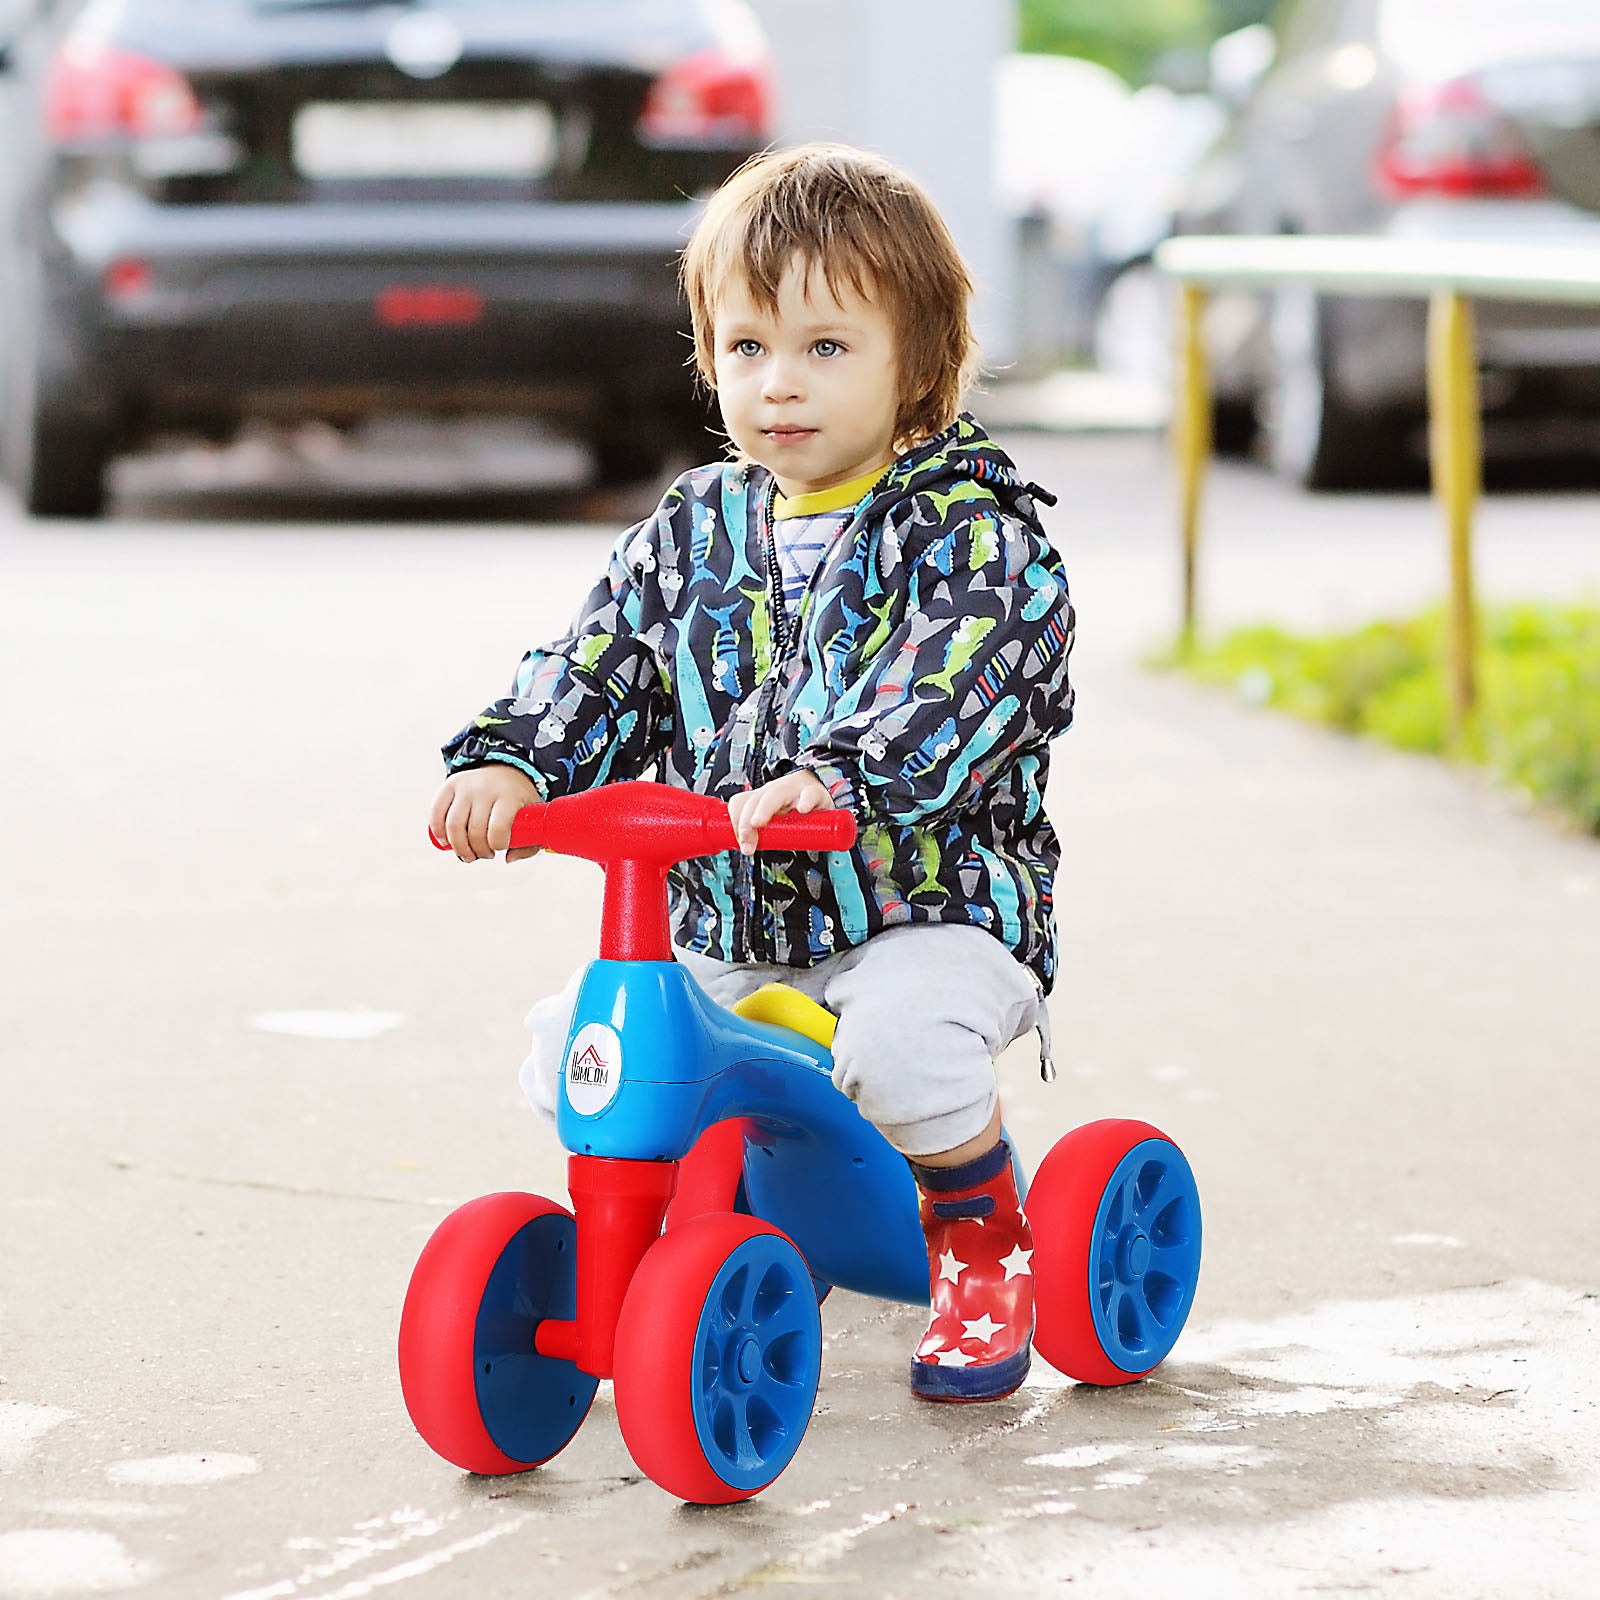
[328,309]
[1383,343]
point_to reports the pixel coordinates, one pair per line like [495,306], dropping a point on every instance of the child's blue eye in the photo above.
[747,347]
[827,347]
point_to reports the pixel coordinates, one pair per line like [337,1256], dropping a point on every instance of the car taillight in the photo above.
[1445,138]
[97,92]
[714,98]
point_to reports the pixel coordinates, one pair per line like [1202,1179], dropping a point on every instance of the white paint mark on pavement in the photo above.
[833,1545]
[165,1472]
[1043,1508]
[1229,1458]
[417,1567]
[39,1562]
[106,1510]
[21,1427]
[1435,1241]
[376,1536]
[1121,1480]
[328,1024]
[1310,1400]
[1080,1456]
[1449,1440]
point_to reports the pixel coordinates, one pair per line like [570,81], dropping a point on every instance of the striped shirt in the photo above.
[804,527]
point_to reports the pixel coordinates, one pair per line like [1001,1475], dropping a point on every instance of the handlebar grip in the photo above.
[527,830]
[528,827]
[531,830]
[811,830]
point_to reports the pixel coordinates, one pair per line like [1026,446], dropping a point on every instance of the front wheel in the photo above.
[718,1353]
[478,1391]
[1115,1216]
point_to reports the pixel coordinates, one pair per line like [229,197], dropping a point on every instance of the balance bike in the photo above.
[720,1185]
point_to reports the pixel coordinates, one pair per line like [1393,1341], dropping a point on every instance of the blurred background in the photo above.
[373,242]
[339,339]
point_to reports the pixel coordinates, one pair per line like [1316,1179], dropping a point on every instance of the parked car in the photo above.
[329,209]
[1436,119]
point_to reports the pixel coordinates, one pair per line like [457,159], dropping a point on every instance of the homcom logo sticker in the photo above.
[594,1068]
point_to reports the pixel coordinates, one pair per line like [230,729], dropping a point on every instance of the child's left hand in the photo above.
[751,811]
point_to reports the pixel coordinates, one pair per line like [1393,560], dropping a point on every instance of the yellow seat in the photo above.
[784,1007]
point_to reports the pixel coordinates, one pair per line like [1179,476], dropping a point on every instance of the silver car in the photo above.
[1437,119]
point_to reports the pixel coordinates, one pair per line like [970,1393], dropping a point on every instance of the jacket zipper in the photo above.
[778,632]
[785,633]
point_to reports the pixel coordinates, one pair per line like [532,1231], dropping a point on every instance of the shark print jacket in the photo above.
[921,680]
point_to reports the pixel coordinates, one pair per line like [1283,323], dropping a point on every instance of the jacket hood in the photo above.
[963,450]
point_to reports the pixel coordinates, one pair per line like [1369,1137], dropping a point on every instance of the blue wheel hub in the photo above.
[531,1404]
[758,1355]
[1145,1257]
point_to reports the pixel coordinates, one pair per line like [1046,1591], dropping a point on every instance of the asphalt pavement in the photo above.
[258,1038]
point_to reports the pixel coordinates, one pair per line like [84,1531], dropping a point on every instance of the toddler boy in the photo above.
[860,610]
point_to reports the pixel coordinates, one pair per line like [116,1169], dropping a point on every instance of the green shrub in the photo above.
[1538,723]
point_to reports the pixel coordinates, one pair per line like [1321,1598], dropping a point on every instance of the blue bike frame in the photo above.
[652,1062]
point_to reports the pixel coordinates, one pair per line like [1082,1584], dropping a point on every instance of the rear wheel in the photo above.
[1115,1216]
[53,449]
[57,463]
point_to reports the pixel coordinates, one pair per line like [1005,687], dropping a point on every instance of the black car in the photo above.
[1412,119]
[329,209]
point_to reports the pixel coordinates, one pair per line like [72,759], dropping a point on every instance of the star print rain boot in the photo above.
[980,1273]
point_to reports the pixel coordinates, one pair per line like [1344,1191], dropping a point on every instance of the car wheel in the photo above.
[54,453]
[1314,437]
[1234,428]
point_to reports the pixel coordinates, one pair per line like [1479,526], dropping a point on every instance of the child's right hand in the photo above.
[474,809]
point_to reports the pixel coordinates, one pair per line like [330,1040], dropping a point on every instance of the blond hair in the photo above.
[862,222]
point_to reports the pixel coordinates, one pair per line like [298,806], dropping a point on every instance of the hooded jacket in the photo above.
[921,679]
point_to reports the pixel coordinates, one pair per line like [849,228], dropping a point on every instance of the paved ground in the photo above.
[1357,987]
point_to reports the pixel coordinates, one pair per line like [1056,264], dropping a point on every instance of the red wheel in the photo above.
[477,1390]
[719,1348]
[1115,1216]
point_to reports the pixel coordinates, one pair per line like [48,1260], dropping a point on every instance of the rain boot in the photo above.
[980,1278]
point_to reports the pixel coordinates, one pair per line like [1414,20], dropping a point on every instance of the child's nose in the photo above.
[782,380]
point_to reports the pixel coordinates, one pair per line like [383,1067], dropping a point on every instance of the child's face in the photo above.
[809,392]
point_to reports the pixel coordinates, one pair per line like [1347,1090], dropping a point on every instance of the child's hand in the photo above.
[751,811]
[473,812]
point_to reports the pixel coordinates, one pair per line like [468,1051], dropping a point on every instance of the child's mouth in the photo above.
[788,435]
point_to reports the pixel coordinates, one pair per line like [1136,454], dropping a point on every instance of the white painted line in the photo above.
[420,1566]
[328,1024]
[376,1536]
[1438,1241]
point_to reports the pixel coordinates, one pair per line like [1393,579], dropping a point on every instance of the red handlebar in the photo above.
[635,831]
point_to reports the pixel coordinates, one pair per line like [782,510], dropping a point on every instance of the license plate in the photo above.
[398,139]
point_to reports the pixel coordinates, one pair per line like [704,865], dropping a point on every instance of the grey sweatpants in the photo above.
[923,1011]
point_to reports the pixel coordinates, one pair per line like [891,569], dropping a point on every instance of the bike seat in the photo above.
[784,1007]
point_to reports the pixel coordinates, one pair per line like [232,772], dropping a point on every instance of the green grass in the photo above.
[1538,723]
